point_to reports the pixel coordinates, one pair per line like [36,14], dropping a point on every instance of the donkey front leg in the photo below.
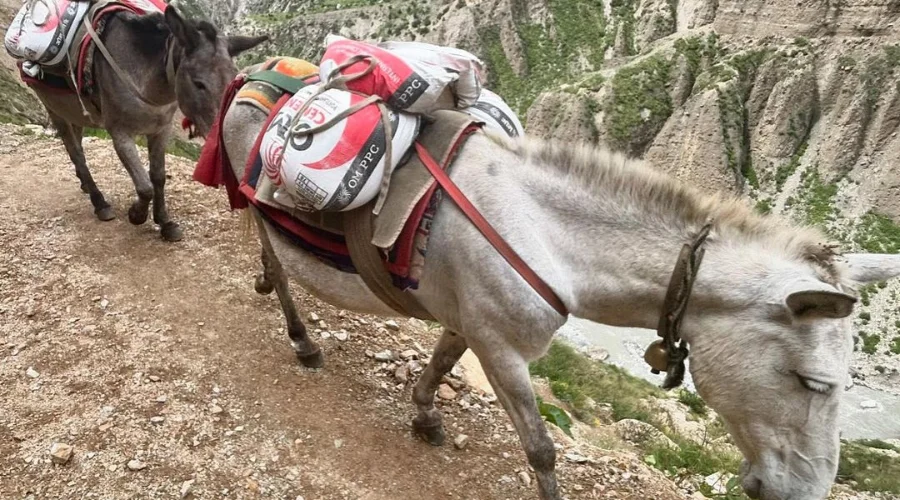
[508,374]
[71,136]
[128,154]
[264,279]
[308,353]
[427,424]
[156,147]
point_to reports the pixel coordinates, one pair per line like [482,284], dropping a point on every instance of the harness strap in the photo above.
[358,231]
[494,238]
[118,70]
[670,353]
[284,82]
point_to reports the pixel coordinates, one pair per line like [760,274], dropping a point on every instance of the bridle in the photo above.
[669,353]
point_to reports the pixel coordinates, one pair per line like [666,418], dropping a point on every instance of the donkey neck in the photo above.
[148,55]
[618,251]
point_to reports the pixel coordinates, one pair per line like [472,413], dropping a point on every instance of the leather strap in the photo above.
[675,304]
[118,69]
[494,238]
[284,82]
[358,230]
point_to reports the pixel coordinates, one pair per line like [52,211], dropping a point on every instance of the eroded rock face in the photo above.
[692,148]
[564,116]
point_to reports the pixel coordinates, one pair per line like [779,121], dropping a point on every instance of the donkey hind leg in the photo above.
[308,353]
[427,424]
[264,279]
[71,136]
[127,151]
[156,147]
[508,374]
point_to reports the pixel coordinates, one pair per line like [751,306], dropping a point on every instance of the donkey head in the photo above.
[776,368]
[205,67]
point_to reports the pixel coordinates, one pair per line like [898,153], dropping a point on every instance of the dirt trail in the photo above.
[164,354]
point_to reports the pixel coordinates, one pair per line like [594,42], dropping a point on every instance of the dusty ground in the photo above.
[128,348]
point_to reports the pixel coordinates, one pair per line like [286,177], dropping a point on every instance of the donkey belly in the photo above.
[340,289]
[67,107]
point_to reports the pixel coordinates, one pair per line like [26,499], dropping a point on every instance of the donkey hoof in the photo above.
[137,216]
[262,285]
[314,360]
[170,231]
[105,214]
[431,433]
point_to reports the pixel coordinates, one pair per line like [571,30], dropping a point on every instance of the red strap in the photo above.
[539,285]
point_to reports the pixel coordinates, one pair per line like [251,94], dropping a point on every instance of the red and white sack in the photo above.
[405,84]
[336,169]
[467,88]
[42,31]
[496,114]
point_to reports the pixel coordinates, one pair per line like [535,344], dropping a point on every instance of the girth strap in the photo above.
[358,231]
[539,285]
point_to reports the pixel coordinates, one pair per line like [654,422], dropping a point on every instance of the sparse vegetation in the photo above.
[869,342]
[575,379]
[878,234]
[764,206]
[176,147]
[639,103]
[870,466]
[817,198]
[693,401]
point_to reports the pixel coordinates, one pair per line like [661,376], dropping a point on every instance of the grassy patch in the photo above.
[693,401]
[817,198]
[895,345]
[577,28]
[866,464]
[575,379]
[870,342]
[783,172]
[639,104]
[878,234]
[866,292]
[177,146]
[764,206]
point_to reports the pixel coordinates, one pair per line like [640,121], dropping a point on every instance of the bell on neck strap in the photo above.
[657,356]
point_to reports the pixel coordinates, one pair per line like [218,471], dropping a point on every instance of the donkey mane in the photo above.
[599,169]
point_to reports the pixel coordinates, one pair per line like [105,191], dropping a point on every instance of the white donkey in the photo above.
[768,321]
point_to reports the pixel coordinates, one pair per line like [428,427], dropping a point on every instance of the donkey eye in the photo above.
[814,385]
[200,85]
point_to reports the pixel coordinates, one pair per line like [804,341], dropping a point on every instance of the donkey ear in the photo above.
[238,44]
[872,267]
[187,35]
[820,304]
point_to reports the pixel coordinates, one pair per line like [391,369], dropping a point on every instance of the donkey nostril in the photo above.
[752,486]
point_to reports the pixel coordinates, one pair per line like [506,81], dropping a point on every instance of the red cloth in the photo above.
[214,168]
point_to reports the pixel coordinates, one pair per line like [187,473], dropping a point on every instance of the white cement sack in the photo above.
[341,167]
[43,30]
[408,85]
[496,114]
[467,87]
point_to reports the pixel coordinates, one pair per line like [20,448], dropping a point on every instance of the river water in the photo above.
[626,349]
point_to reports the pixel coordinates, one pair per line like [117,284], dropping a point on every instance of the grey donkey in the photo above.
[141,46]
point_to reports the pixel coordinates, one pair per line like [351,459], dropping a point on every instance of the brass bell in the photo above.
[657,356]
